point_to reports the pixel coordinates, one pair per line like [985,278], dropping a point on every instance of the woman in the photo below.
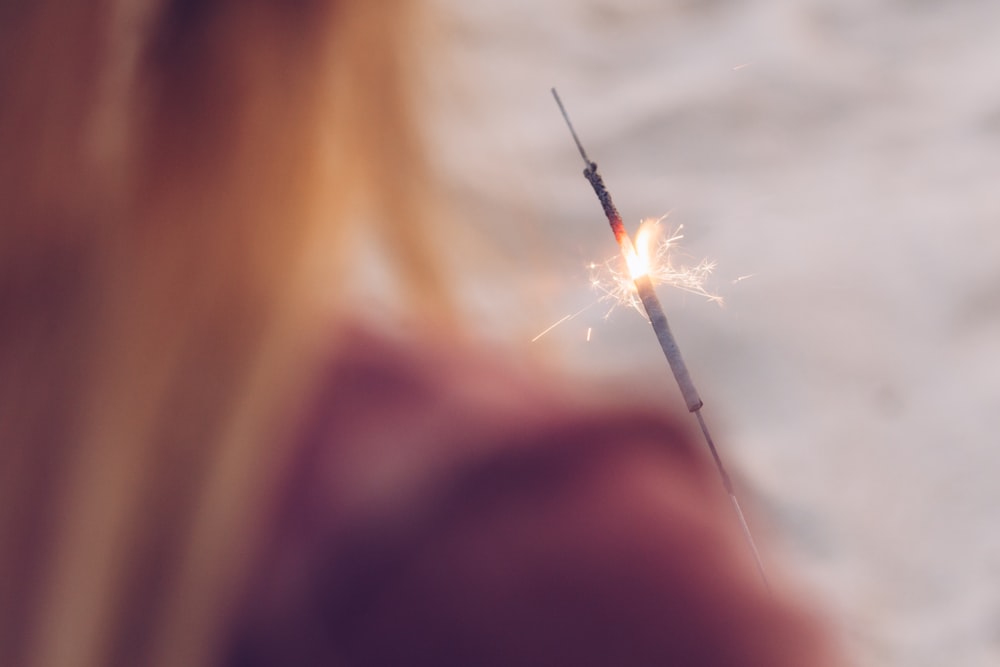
[205,462]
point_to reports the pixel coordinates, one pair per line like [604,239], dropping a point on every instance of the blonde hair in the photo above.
[168,169]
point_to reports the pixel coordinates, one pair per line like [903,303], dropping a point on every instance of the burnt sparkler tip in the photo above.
[569,124]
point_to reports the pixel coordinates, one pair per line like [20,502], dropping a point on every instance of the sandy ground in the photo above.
[845,154]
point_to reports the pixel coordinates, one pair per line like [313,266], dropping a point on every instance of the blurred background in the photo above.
[845,155]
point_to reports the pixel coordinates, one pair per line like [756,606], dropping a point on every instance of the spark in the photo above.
[737,68]
[656,250]
[589,329]
[564,319]
[615,280]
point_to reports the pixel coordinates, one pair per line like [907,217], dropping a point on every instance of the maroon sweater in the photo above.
[448,507]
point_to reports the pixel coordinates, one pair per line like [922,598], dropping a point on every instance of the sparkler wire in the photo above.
[658,320]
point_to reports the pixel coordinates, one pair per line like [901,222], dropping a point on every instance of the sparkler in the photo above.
[639,270]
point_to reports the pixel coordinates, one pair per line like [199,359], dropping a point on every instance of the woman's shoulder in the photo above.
[391,414]
[453,505]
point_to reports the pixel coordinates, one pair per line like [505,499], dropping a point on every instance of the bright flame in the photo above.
[637,255]
[637,263]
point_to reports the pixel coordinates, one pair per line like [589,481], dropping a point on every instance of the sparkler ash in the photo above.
[639,269]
